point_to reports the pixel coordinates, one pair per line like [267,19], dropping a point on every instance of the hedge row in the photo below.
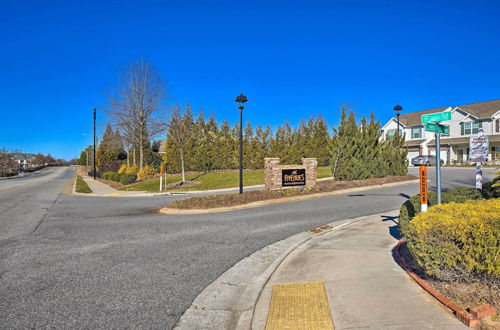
[457,241]
[411,207]
[123,178]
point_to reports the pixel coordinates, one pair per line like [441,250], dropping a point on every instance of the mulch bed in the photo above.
[465,295]
[226,200]
[111,183]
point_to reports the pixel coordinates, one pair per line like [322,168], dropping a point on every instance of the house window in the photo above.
[390,132]
[471,128]
[416,132]
[497,125]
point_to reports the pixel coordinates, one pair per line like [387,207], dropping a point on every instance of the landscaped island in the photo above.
[228,200]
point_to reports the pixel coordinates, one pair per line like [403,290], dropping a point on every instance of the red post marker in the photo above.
[423,188]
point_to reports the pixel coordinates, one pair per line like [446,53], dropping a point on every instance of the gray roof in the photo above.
[480,110]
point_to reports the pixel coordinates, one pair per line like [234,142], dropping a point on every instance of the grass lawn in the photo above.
[212,180]
[81,186]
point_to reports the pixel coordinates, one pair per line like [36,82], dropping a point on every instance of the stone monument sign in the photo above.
[281,176]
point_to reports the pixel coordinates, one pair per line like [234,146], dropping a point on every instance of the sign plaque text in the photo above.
[293,177]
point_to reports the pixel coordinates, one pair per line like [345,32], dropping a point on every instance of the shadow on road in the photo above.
[361,195]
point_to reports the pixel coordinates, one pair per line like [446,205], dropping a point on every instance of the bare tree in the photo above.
[180,130]
[8,165]
[135,105]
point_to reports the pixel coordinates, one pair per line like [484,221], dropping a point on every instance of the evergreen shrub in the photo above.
[458,241]
[125,178]
[119,177]
[146,173]
[461,195]
[411,207]
[108,176]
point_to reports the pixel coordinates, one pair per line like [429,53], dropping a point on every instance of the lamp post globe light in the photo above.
[397,109]
[241,99]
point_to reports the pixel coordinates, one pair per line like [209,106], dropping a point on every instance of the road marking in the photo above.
[302,305]
[115,194]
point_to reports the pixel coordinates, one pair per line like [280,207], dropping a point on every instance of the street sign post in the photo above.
[436,117]
[437,128]
[431,123]
[423,188]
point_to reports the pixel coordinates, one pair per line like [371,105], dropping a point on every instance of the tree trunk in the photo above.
[133,156]
[182,166]
[141,149]
[128,157]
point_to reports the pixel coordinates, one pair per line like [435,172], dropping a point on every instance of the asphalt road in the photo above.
[71,262]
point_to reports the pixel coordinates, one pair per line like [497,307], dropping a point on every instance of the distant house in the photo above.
[24,160]
[466,120]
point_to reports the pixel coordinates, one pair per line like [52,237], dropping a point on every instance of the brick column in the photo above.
[311,175]
[271,173]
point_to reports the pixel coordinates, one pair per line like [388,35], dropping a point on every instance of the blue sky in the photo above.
[292,59]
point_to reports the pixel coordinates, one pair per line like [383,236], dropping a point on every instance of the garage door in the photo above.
[444,155]
[412,154]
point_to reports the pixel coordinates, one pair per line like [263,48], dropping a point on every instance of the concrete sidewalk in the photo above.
[103,190]
[365,287]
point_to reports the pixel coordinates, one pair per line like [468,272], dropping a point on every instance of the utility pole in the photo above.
[94,147]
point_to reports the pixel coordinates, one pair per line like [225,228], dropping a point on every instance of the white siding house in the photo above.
[466,120]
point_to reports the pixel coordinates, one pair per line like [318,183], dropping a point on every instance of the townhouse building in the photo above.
[466,121]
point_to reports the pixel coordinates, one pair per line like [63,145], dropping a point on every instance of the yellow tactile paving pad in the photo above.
[299,306]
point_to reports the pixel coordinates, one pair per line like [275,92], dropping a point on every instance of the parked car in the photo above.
[425,160]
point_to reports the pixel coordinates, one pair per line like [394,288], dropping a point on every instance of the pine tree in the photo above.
[320,140]
[344,148]
[108,153]
[249,152]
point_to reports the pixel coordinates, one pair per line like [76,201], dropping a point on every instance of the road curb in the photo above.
[229,301]
[461,314]
[167,210]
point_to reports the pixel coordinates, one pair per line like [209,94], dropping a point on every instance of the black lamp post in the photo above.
[241,99]
[94,147]
[397,110]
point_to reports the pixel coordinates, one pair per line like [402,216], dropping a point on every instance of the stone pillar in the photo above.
[271,173]
[311,175]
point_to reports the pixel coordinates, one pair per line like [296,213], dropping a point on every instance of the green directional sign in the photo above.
[435,117]
[436,128]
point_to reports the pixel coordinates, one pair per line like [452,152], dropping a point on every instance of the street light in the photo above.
[397,110]
[94,145]
[241,99]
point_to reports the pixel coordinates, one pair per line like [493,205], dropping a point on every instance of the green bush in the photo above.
[124,178]
[109,176]
[457,241]
[461,195]
[411,207]
[489,191]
